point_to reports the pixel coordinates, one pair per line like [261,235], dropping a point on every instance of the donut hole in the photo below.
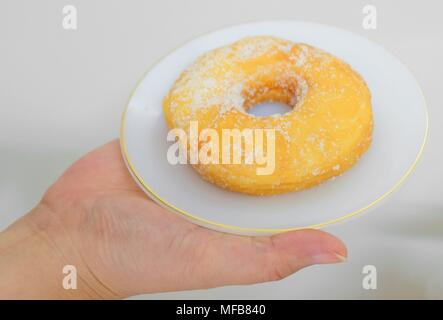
[270,98]
[268,109]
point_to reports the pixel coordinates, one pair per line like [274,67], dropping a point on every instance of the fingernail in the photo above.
[330,257]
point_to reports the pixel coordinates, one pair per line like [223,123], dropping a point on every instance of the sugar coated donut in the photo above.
[325,133]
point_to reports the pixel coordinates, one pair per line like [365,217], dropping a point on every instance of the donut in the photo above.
[326,132]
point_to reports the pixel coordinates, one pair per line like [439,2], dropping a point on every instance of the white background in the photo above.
[62,94]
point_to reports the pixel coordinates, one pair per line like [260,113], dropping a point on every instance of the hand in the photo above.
[96,218]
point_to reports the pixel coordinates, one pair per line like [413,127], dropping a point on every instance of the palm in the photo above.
[133,246]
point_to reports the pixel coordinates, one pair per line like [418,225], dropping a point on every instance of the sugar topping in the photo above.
[216,78]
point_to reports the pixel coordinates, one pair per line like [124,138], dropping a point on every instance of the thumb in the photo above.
[245,260]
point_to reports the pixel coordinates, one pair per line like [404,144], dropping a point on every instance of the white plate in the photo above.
[400,130]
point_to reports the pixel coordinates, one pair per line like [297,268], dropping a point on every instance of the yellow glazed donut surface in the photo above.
[325,134]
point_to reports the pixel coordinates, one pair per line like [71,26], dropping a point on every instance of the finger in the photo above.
[245,260]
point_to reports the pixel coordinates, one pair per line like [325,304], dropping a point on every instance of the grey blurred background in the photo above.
[62,93]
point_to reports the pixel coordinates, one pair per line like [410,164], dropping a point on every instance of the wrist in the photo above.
[34,252]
